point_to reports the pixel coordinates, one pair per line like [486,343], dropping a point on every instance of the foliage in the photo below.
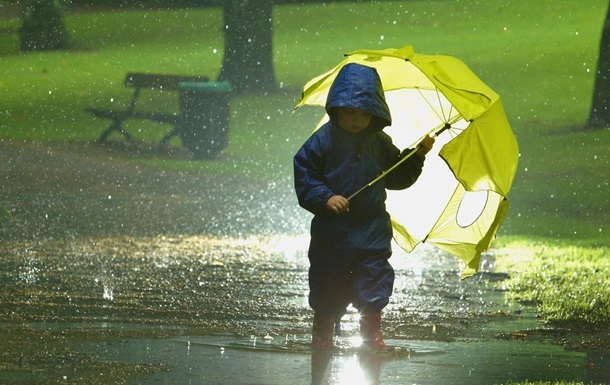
[43,26]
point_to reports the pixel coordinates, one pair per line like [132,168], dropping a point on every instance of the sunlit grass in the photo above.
[567,282]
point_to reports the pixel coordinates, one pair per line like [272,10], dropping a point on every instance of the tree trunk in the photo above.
[248,53]
[599,117]
[42,26]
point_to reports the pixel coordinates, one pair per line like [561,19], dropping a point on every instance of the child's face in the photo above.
[353,120]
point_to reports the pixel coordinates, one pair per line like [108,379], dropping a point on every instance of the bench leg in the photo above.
[166,139]
[116,126]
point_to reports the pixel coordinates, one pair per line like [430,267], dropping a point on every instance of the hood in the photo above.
[358,86]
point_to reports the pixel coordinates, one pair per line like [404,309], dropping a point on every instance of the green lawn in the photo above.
[539,56]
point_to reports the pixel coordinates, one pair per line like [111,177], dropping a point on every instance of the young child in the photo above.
[350,240]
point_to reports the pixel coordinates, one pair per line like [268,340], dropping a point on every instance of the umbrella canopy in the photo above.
[461,198]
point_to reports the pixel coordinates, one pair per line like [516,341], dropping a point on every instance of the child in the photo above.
[350,240]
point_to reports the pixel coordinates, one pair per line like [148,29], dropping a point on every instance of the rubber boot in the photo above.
[322,331]
[370,330]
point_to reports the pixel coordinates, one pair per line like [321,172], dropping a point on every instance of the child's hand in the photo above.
[425,146]
[337,204]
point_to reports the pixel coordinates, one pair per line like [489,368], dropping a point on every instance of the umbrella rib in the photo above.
[441,118]
[440,104]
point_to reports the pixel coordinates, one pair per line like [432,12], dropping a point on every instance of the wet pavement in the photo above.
[233,311]
[88,294]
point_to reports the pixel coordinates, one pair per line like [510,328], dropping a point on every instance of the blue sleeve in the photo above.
[311,190]
[407,173]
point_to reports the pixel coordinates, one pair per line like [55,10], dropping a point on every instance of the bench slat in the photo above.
[172,118]
[141,81]
[158,81]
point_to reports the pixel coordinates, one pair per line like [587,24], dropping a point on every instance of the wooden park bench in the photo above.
[143,81]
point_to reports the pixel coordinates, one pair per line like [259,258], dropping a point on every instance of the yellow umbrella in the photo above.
[461,198]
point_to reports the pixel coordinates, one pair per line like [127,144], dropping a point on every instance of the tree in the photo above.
[42,26]
[599,117]
[248,53]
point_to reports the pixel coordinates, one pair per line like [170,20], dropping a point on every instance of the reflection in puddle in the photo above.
[226,360]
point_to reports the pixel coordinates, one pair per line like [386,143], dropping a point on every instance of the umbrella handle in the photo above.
[445,127]
[383,174]
[386,172]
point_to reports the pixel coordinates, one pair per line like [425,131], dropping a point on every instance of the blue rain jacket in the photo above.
[349,252]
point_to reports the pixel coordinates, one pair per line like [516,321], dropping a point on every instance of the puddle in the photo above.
[226,360]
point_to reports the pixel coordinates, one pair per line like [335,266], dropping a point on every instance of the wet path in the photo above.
[228,310]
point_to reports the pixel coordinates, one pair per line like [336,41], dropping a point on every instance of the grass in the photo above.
[567,282]
[540,56]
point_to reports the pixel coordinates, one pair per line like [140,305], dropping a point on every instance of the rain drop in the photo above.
[108,295]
